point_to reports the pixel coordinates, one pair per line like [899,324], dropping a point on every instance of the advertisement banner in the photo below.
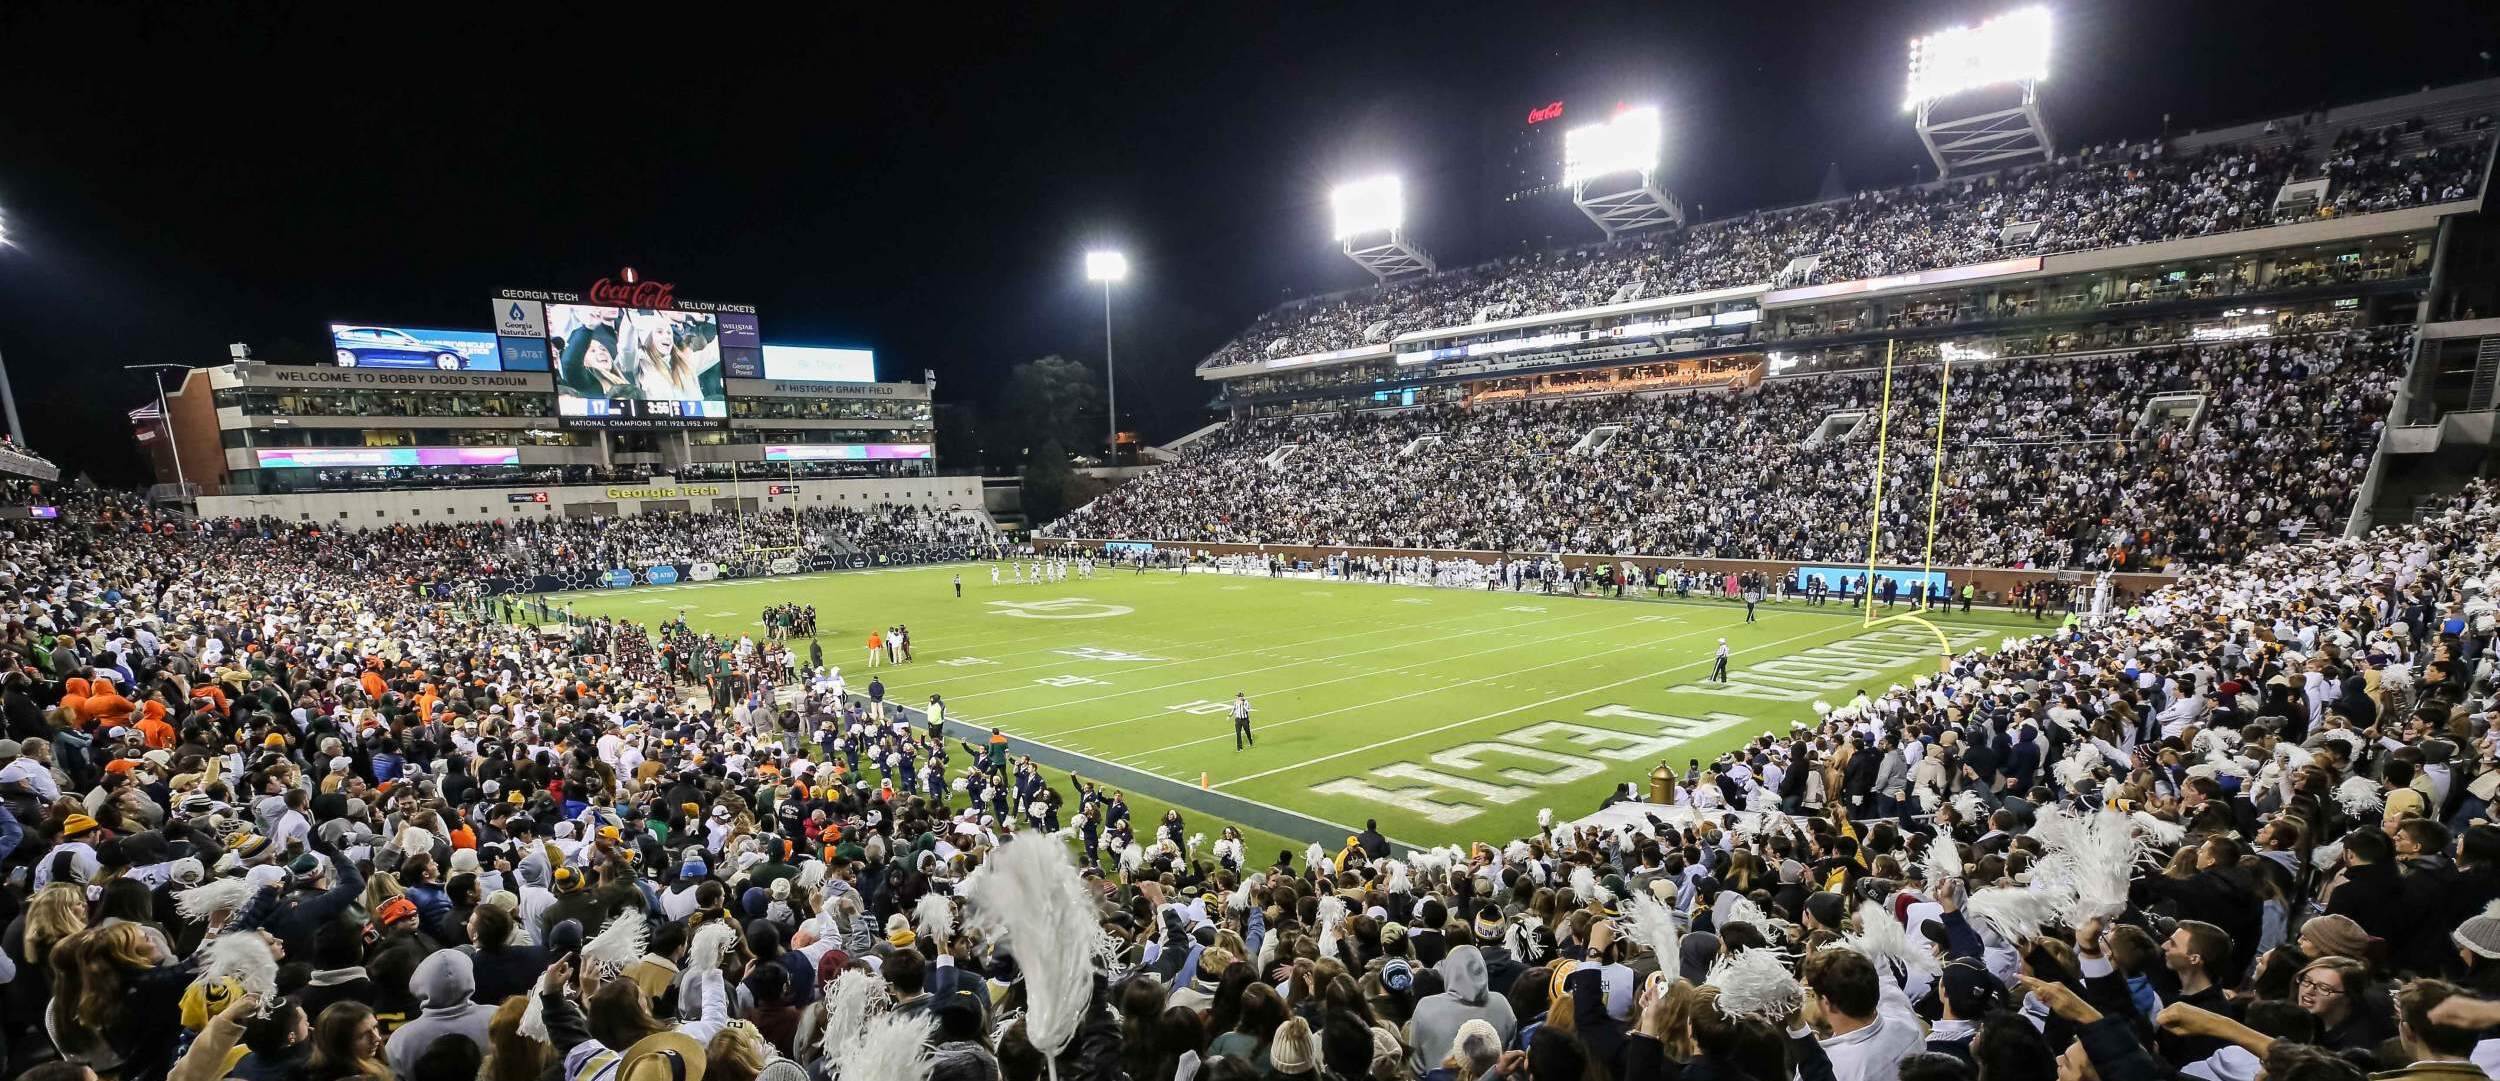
[378,457]
[848,452]
[521,319]
[823,563]
[364,345]
[738,330]
[818,364]
[858,561]
[781,489]
[525,497]
[617,578]
[523,354]
[784,565]
[661,575]
[1909,577]
[703,572]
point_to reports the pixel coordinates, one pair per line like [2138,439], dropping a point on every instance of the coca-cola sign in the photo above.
[627,290]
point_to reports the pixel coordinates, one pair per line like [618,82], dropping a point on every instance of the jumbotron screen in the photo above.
[636,367]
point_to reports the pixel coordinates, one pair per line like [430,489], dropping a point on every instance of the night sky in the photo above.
[180,176]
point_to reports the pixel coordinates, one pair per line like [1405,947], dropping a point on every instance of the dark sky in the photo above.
[181,176]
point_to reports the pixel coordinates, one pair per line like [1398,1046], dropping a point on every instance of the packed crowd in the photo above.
[264,816]
[535,546]
[2046,465]
[2132,193]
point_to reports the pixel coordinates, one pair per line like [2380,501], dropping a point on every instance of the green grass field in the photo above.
[1447,715]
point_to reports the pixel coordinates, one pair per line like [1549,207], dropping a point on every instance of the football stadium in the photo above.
[1485,575]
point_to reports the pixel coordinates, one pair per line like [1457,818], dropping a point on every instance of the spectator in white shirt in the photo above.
[1869,1030]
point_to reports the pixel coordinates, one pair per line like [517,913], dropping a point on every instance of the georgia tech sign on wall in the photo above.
[685,491]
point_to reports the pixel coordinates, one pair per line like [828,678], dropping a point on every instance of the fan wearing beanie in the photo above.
[1294,1053]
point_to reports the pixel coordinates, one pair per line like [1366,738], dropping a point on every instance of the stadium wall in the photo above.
[489,504]
[1992,581]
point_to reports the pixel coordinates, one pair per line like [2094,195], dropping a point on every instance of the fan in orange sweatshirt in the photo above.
[158,735]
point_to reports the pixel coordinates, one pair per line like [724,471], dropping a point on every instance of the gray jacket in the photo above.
[443,983]
[1468,996]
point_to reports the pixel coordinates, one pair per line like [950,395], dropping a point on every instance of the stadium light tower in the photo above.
[1371,223]
[1108,267]
[1613,172]
[8,397]
[1975,90]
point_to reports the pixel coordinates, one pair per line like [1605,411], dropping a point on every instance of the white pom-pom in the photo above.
[850,1000]
[534,1017]
[246,958]
[712,942]
[1753,984]
[1822,708]
[893,1047]
[1591,890]
[2157,831]
[2360,797]
[216,902]
[618,944]
[1332,911]
[1399,880]
[2014,912]
[1545,818]
[1970,806]
[1741,909]
[1651,923]
[1132,857]
[1882,939]
[934,918]
[1944,862]
[2326,856]
[1312,856]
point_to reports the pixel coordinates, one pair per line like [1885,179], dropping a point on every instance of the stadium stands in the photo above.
[240,778]
[2129,193]
[2050,464]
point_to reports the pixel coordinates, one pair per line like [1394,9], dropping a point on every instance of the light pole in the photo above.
[8,398]
[1108,267]
[165,417]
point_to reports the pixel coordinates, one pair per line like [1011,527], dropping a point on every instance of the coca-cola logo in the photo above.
[628,291]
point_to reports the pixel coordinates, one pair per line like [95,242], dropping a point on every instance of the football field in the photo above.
[1448,715]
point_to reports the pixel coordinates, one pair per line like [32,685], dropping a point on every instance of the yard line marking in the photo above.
[1338,658]
[1480,718]
[1372,626]
[1364,673]
[1057,640]
[1427,690]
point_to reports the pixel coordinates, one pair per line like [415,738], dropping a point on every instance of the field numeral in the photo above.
[1097,653]
[965,662]
[1070,681]
[1200,707]
[1525,608]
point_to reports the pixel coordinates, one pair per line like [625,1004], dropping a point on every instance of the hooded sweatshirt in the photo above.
[443,983]
[1468,998]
